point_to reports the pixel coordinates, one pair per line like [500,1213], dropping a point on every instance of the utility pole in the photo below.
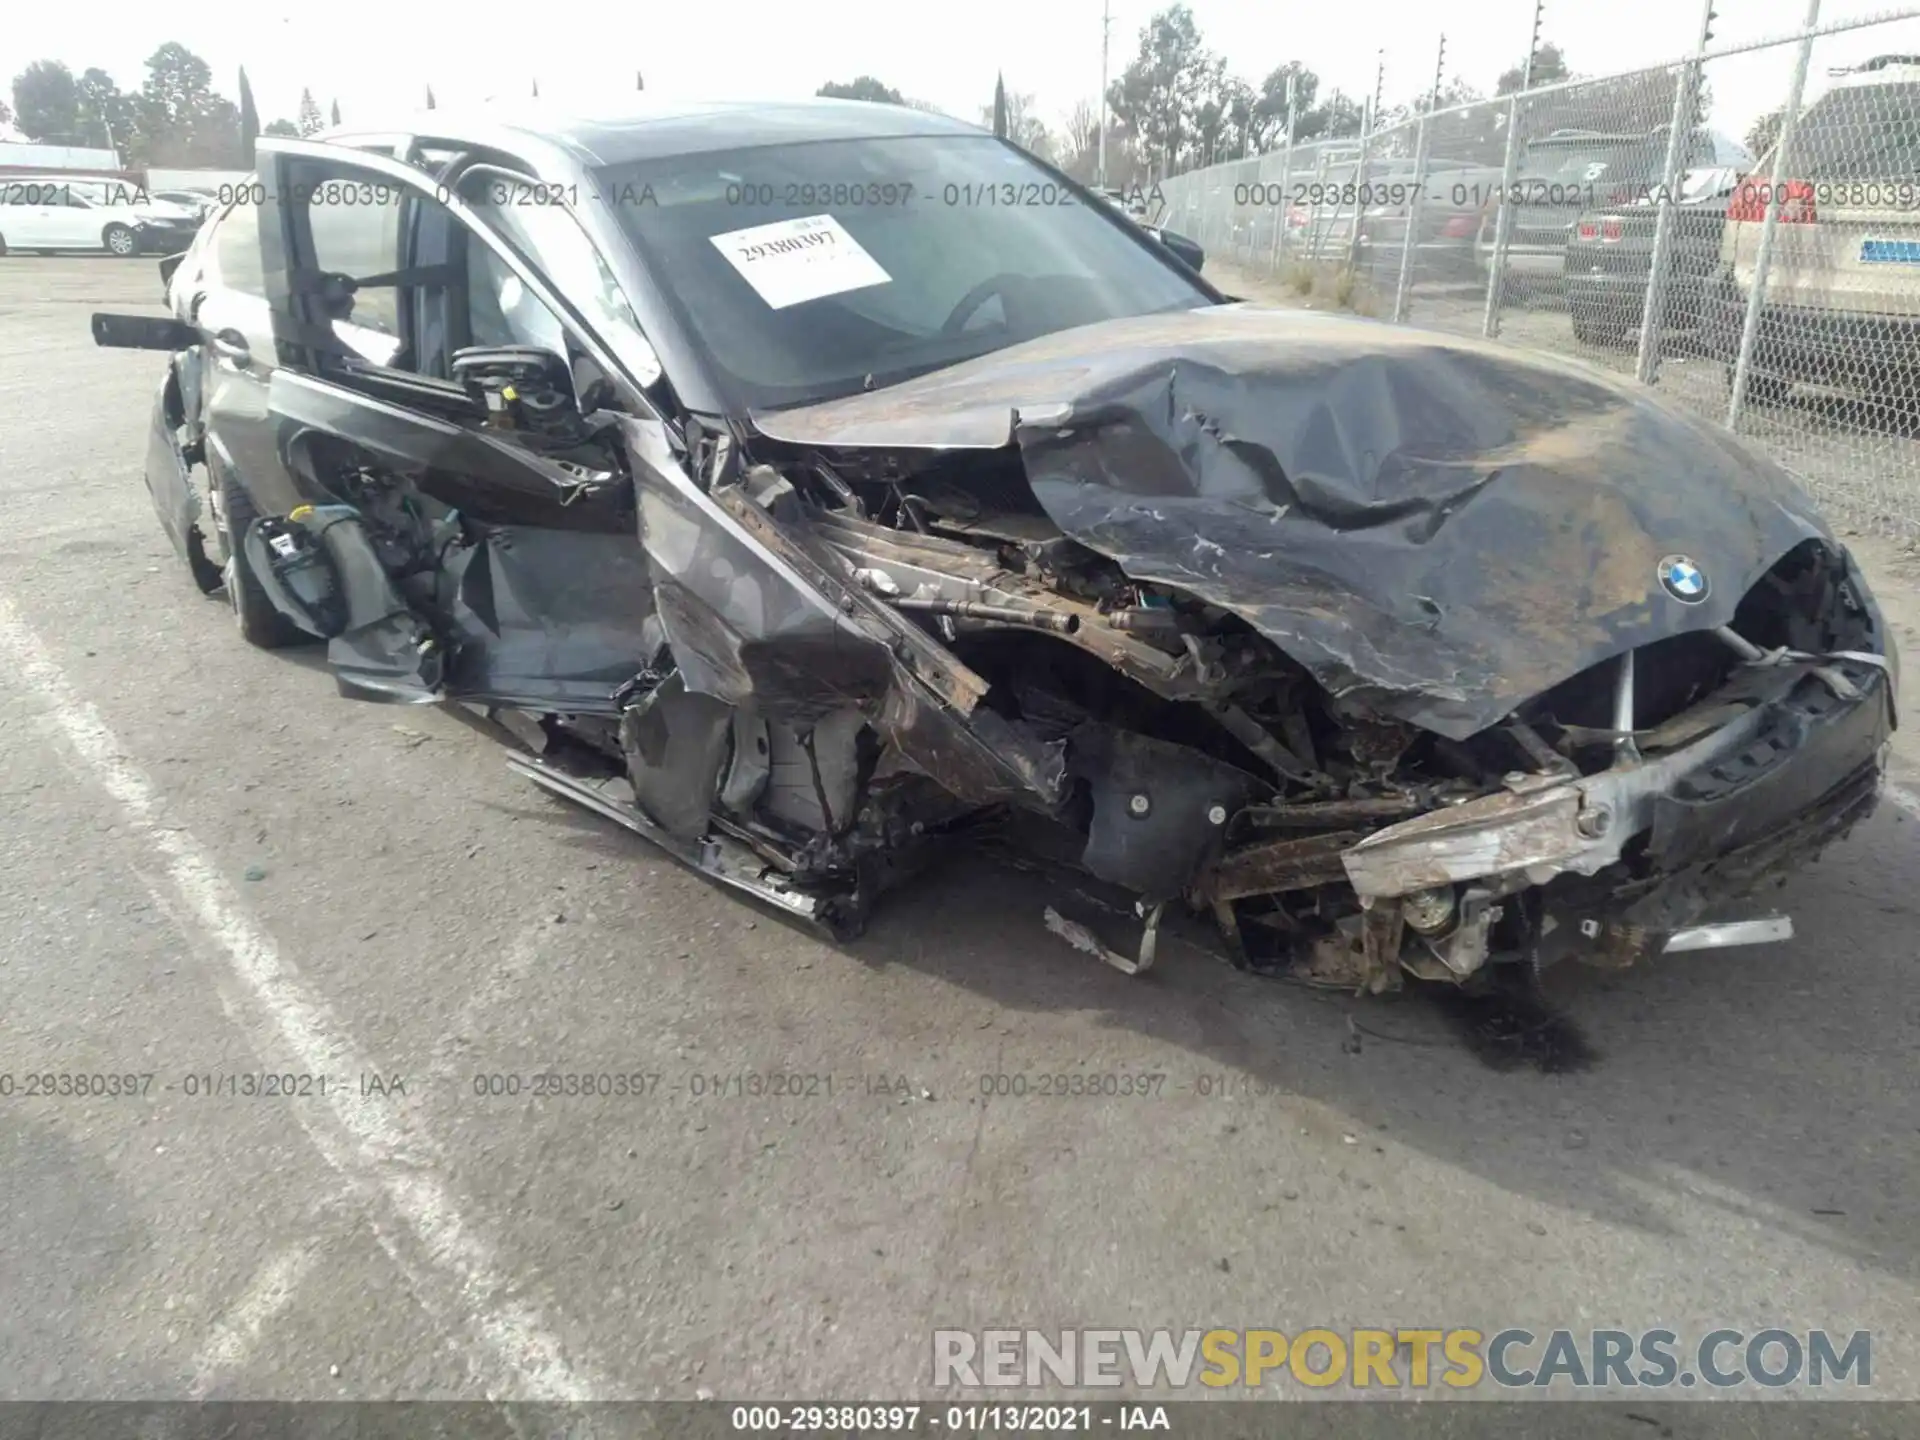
[1284,209]
[1370,118]
[1741,375]
[1106,29]
[1421,151]
[1509,170]
[1686,96]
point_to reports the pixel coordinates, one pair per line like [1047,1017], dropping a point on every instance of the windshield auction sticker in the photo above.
[791,261]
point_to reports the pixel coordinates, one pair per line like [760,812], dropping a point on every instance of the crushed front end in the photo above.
[1262,636]
[1172,752]
[1393,654]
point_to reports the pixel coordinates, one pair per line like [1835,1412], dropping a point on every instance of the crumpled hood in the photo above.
[1440,527]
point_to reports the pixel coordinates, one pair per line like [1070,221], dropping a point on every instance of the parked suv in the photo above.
[1842,301]
[1610,259]
[1570,172]
[74,212]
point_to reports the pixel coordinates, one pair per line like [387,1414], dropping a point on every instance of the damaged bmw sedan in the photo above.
[809,486]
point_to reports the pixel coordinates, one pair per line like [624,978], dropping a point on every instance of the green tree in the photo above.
[308,116]
[249,120]
[1764,131]
[283,127]
[1270,106]
[861,87]
[181,120]
[1337,116]
[1159,94]
[1549,65]
[108,116]
[46,103]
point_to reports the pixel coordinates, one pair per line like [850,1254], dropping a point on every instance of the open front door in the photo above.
[465,526]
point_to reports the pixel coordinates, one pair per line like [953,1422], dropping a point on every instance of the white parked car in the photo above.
[71,212]
[200,202]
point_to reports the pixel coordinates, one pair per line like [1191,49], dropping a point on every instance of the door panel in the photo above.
[498,586]
[482,563]
[32,227]
[77,226]
[233,371]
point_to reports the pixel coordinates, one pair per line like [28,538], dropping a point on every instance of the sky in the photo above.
[375,57]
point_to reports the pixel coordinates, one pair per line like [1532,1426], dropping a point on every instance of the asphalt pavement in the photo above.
[219,879]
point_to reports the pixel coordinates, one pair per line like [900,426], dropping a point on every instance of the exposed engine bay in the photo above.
[1184,628]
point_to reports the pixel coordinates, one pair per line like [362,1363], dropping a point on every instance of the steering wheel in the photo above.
[964,307]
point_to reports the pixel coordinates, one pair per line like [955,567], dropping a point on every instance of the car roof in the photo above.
[639,130]
[1573,138]
[1881,70]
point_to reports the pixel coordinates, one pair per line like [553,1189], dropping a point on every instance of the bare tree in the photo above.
[1024,125]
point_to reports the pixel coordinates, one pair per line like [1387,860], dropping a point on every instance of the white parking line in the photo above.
[238,1331]
[512,1351]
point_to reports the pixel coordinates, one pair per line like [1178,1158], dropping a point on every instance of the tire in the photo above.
[260,624]
[120,241]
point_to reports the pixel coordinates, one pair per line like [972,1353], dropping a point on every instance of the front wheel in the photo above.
[119,240]
[260,624]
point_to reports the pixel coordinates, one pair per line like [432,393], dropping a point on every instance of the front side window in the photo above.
[236,249]
[1859,132]
[500,308]
[353,224]
[536,222]
[814,270]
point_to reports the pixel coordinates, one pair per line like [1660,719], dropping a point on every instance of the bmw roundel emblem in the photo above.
[1683,580]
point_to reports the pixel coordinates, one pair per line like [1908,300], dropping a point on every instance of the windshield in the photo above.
[1865,132]
[815,270]
[1590,164]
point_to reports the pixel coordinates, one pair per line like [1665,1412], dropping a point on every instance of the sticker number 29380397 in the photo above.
[791,261]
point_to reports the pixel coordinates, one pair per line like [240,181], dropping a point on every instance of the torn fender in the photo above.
[756,620]
[1439,527]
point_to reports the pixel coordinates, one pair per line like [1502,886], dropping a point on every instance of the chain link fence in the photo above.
[1610,219]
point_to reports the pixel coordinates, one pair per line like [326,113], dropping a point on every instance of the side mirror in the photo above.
[523,387]
[1187,251]
[142,332]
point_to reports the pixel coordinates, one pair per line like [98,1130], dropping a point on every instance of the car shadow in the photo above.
[1773,1083]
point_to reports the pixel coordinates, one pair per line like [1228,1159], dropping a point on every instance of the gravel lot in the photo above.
[211,866]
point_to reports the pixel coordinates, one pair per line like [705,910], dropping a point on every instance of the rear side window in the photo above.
[236,249]
[1860,132]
